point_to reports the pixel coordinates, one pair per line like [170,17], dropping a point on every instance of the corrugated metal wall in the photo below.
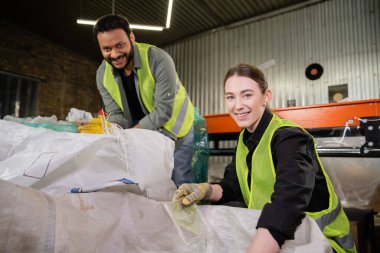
[342,35]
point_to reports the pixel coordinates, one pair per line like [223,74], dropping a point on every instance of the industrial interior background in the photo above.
[205,38]
[51,60]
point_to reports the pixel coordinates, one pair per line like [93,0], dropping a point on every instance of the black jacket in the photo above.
[300,184]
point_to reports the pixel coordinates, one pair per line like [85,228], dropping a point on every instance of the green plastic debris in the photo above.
[200,150]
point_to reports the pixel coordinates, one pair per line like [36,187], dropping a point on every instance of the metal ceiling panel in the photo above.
[55,20]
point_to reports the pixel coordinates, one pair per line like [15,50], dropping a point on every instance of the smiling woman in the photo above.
[275,169]
[245,98]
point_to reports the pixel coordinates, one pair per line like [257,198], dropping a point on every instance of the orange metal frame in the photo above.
[313,116]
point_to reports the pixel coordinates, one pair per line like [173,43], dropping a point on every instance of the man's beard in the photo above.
[129,58]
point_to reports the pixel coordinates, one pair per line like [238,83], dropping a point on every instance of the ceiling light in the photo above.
[146,27]
[86,22]
[136,26]
[169,15]
[133,26]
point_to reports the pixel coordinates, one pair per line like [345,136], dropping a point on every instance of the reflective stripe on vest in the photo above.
[332,221]
[110,84]
[182,116]
[326,219]
[344,241]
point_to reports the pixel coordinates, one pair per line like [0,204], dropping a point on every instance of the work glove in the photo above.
[192,193]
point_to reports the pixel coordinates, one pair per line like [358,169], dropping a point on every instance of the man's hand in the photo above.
[192,193]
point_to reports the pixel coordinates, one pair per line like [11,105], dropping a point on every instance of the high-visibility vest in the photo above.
[182,116]
[332,221]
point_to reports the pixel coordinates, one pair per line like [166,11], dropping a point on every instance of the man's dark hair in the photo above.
[110,22]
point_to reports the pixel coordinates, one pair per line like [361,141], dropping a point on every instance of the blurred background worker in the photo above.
[140,88]
[276,169]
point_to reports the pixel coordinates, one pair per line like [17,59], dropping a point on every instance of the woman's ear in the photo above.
[267,97]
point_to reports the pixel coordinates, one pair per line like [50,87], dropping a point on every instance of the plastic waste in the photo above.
[200,151]
[97,125]
[76,115]
[45,122]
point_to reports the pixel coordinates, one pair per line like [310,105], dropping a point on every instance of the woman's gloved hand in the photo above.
[192,193]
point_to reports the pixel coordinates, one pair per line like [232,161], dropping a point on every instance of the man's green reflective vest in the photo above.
[182,116]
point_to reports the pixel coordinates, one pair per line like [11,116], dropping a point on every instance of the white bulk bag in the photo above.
[59,162]
[126,222]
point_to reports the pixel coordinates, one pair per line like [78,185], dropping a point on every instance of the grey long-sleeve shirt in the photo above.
[163,70]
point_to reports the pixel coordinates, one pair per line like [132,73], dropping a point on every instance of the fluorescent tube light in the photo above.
[86,22]
[147,27]
[169,15]
[135,26]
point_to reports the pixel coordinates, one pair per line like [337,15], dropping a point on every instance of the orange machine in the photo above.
[309,117]
[356,176]
[318,120]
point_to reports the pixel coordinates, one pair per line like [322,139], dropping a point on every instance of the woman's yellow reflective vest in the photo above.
[332,221]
